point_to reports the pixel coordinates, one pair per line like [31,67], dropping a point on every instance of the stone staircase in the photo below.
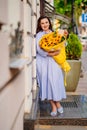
[75,112]
[75,107]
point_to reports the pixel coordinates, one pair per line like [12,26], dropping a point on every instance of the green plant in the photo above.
[74,47]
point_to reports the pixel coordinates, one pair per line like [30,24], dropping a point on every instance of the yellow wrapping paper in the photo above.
[51,42]
[54,41]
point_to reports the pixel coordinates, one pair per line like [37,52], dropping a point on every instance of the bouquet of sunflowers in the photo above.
[52,42]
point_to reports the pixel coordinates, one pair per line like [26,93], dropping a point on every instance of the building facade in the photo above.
[18,20]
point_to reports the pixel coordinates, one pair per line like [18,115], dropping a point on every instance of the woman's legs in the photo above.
[54,109]
[56,106]
[59,107]
[53,105]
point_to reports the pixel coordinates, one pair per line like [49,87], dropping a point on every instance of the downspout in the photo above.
[42,7]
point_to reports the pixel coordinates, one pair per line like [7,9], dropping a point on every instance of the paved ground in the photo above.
[84,61]
[82,85]
[81,90]
[48,127]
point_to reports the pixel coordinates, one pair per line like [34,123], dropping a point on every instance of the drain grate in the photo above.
[69,104]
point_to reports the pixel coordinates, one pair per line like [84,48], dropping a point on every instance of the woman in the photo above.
[49,73]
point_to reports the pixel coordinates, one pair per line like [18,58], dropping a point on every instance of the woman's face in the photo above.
[45,24]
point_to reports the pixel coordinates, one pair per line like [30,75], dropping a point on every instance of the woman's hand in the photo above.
[66,33]
[63,32]
[54,53]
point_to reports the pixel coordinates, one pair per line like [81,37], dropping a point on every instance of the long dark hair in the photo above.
[39,26]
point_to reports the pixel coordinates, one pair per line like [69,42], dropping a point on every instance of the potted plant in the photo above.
[73,55]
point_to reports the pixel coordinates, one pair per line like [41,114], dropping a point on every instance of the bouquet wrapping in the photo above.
[52,42]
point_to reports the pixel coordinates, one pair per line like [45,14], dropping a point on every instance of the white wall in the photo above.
[16,84]
[12,91]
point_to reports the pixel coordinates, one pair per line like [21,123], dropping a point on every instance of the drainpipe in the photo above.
[42,7]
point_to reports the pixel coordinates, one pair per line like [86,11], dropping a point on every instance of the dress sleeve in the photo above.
[38,49]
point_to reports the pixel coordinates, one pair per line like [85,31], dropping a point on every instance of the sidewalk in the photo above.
[49,127]
[82,84]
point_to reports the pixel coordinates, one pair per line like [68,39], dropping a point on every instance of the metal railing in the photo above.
[49,10]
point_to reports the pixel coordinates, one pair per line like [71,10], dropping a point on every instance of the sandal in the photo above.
[60,110]
[53,113]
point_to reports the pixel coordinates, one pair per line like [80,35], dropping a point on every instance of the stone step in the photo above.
[75,113]
[62,127]
[30,118]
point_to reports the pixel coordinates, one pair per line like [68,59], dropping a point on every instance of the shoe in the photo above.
[53,113]
[60,110]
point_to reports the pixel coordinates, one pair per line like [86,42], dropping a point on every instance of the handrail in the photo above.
[49,11]
[49,4]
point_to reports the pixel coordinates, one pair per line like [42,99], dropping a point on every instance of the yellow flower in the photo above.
[51,41]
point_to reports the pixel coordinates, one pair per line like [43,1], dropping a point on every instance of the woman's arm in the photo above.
[38,49]
[54,53]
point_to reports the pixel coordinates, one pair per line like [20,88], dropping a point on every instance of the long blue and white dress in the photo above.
[49,74]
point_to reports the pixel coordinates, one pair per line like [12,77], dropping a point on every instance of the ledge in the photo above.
[19,63]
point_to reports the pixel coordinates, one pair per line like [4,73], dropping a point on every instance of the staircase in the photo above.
[75,113]
[75,107]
